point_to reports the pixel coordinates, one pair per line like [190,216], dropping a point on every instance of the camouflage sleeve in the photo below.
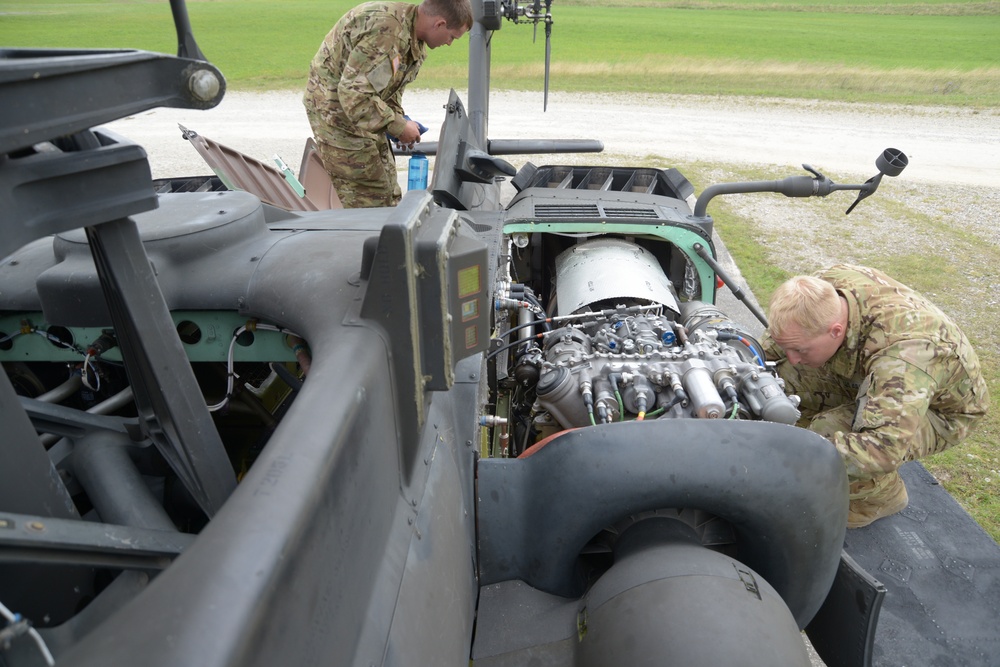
[368,71]
[772,352]
[893,401]
[396,104]
[818,390]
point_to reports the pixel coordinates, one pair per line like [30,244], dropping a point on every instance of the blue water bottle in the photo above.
[418,172]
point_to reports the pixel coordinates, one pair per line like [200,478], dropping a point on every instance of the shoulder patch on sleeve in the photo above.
[380,75]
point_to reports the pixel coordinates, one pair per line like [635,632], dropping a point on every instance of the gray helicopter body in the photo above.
[522,433]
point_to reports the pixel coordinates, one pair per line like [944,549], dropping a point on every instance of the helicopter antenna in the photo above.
[548,52]
[537,9]
[513,11]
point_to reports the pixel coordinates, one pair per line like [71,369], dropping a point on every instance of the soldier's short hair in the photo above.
[807,301]
[458,13]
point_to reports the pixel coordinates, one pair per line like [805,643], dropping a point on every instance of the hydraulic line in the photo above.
[63,391]
[600,314]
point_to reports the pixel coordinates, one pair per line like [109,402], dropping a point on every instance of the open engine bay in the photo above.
[594,331]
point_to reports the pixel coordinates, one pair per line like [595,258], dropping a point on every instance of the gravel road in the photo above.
[954,153]
[944,144]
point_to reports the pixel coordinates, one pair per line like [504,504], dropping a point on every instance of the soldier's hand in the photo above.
[411,135]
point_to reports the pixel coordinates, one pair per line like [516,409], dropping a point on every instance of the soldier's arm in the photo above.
[396,102]
[893,402]
[368,72]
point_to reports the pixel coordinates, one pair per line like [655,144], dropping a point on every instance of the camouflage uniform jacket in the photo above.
[357,77]
[906,362]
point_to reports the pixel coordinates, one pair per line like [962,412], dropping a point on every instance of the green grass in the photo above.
[939,7]
[904,52]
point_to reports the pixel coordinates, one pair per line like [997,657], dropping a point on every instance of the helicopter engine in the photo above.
[619,346]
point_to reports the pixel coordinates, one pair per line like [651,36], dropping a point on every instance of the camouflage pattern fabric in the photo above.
[905,383]
[354,96]
[878,496]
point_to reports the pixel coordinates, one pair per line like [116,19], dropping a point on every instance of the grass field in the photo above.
[899,51]
[905,52]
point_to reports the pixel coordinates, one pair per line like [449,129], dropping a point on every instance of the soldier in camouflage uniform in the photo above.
[355,90]
[882,373]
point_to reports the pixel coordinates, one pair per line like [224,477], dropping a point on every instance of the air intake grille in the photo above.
[630,212]
[577,211]
[567,211]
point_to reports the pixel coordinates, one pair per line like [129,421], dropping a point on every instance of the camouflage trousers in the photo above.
[872,497]
[830,405]
[362,170]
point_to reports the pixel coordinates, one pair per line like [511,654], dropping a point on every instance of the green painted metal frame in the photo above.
[216,329]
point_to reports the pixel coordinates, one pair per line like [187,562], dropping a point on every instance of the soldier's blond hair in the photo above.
[457,13]
[809,302]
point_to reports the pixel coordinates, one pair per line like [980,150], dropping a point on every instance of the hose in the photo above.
[231,375]
[63,391]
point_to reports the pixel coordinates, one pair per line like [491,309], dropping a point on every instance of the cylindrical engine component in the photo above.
[524,318]
[767,400]
[565,345]
[605,402]
[705,399]
[610,269]
[701,316]
[668,599]
[559,392]
[526,371]
[678,387]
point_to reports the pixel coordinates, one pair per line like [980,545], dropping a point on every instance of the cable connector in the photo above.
[102,344]
[17,628]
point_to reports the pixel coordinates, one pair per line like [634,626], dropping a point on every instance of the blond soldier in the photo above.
[355,90]
[882,372]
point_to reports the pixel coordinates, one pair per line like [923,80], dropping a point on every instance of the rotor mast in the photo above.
[487,15]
